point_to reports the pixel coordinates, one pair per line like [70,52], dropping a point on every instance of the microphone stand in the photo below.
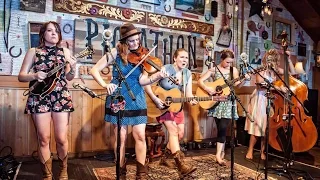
[269,98]
[121,79]
[233,98]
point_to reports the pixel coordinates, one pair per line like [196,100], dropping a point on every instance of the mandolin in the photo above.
[173,101]
[49,83]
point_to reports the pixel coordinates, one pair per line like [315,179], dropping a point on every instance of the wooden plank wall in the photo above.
[87,130]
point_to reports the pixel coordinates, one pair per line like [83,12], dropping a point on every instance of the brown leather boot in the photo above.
[123,171]
[142,171]
[63,164]
[164,160]
[183,168]
[47,169]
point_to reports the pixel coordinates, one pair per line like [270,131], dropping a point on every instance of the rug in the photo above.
[207,168]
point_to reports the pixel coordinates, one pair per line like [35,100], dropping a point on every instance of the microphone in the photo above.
[209,46]
[85,89]
[244,58]
[106,35]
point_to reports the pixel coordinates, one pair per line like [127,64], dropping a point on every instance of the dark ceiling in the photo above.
[307,14]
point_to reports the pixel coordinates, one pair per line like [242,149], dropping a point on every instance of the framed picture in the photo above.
[280,25]
[192,6]
[34,29]
[224,37]
[255,53]
[217,57]
[33,5]
[154,2]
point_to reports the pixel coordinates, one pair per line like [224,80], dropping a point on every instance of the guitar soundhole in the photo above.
[218,88]
[168,101]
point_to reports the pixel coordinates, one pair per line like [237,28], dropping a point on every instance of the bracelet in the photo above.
[71,72]
[151,79]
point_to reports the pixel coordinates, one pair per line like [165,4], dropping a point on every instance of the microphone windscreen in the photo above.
[75,85]
[107,34]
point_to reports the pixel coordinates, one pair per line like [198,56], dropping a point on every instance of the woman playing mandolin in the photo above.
[135,112]
[56,105]
[222,112]
[258,101]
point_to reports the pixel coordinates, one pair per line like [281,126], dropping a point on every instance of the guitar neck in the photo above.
[187,99]
[233,81]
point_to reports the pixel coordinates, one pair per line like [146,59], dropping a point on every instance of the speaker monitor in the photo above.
[214,8]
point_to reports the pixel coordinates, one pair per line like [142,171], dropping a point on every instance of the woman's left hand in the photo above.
[193,102]
[72,61]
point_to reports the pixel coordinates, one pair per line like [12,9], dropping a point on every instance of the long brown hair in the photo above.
[123,51]
[43,30]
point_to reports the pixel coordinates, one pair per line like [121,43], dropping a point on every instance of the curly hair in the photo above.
[271,57]
[43,29]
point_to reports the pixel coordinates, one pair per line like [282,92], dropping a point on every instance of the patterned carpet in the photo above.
[207,168]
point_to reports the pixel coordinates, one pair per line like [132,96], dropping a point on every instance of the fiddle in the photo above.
[150,63]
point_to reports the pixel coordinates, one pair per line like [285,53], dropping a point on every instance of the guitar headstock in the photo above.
[88,51]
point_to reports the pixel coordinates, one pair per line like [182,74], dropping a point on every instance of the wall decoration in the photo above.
[280,25]
[154,2]
[33,5]
[95,9]
[254,53]
[196,6]
[34,29]
[217,57]
[5,64]
[225,37]
[256,7]
[302,49]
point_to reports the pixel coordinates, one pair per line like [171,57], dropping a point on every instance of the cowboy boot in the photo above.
[63,164]
[123,171]
[47,169]
[164,160]
[142,171]
[183,168]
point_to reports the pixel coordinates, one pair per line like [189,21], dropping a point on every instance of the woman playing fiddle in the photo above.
[135,112]
[258,101]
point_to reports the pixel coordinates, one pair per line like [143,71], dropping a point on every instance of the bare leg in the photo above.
[253,140]
[60,123]
[263,155]
[139,136]
[42,124]
[123,137]
[173,136]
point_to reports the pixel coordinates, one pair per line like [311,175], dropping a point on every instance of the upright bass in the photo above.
[290,128]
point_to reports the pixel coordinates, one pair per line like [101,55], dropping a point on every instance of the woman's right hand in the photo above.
[210,90]
[110,88]
[159,103]
[40,76]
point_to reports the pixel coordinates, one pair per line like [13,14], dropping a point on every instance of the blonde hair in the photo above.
[272,56]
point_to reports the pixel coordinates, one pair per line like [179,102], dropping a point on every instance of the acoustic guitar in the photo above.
[49,83]
[173,101]
[221,86]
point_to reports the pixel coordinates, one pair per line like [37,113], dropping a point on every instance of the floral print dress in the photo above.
[59,100]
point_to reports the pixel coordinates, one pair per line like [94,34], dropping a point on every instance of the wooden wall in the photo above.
[87,131]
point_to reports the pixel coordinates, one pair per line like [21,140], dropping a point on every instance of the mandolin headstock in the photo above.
[88,51]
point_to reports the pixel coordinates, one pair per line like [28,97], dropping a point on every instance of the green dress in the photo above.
[222,109]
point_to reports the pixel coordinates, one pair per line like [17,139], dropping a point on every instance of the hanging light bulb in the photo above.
[264,1]
[269,11]
[262,13]
[236,8]
[265,9]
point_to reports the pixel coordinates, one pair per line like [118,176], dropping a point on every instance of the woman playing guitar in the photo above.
[174,122]
[221,112]
[57,104]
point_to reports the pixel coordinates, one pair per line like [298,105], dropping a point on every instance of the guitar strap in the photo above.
[231,73]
